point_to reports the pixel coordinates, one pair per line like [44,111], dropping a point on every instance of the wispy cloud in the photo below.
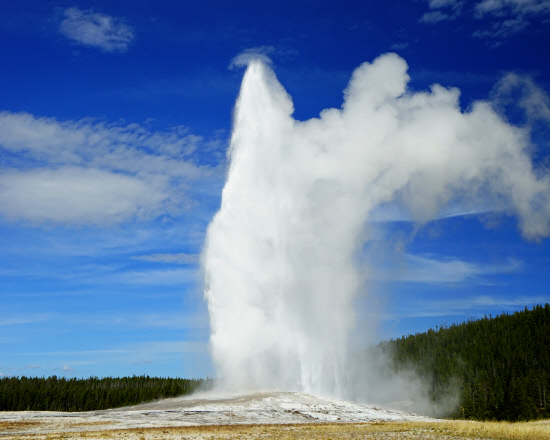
[475,306]
[23,320]
[31,367]
[509,17]
[94,29]
[432,17]
[435,269]
[180,277]
[136,353]
[178,258]
[92,173]
[522,7]
[503,28]
[501,18]
[441,10]
[399,46]
[144,362]
[521,91]
[146,346]
[180,321]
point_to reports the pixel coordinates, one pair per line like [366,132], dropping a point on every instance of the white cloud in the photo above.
[434,17]
[158,277]
[78,352]
[522,91]
[93,173]
[474,306]
[502,7]
[503,18]
[78,196]
[502,29]
[150,347]
[442,10]
[194,352]
[435,269]
[62,142]
[508,17]
[90,28]
[176,347]
[144,362]
[27,319]
[183,320]
[399,46]
[31,367]
[179,258]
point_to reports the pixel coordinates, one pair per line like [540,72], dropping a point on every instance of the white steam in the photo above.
[280,260]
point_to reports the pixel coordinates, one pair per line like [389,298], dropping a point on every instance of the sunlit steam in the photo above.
[281,259]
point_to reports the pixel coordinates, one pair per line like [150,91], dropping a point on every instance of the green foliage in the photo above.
[502,363]
[61,394]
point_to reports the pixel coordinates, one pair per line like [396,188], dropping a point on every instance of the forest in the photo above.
[501,364]
[61,394]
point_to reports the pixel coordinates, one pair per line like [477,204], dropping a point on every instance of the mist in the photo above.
[282,260]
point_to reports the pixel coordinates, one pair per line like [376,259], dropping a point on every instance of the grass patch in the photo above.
[445,430]
[12,425]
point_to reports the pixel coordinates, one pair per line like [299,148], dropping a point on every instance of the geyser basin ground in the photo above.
[273,415]
[207,409]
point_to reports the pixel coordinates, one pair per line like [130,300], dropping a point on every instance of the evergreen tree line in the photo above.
[502,364]
[61,394]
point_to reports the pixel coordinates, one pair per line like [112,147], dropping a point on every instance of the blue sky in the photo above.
[114,123]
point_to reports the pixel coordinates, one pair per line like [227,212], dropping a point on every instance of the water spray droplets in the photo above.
[280,260]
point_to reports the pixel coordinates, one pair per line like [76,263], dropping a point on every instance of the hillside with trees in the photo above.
[61,394]
[502,364]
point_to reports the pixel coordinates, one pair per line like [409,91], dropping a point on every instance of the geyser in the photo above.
[281,258]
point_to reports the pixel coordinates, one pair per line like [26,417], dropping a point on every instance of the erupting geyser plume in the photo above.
[281,255]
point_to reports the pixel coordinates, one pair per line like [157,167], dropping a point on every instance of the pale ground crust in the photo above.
[269,415]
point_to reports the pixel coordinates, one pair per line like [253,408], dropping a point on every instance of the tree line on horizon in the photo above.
[62,394]
[501,364]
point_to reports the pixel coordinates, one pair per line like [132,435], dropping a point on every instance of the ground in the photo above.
[254,416]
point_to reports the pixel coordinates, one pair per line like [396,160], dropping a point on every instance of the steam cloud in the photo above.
[280,260]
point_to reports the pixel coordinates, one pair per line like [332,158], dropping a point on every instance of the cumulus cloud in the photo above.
[94,29]
[93,173]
